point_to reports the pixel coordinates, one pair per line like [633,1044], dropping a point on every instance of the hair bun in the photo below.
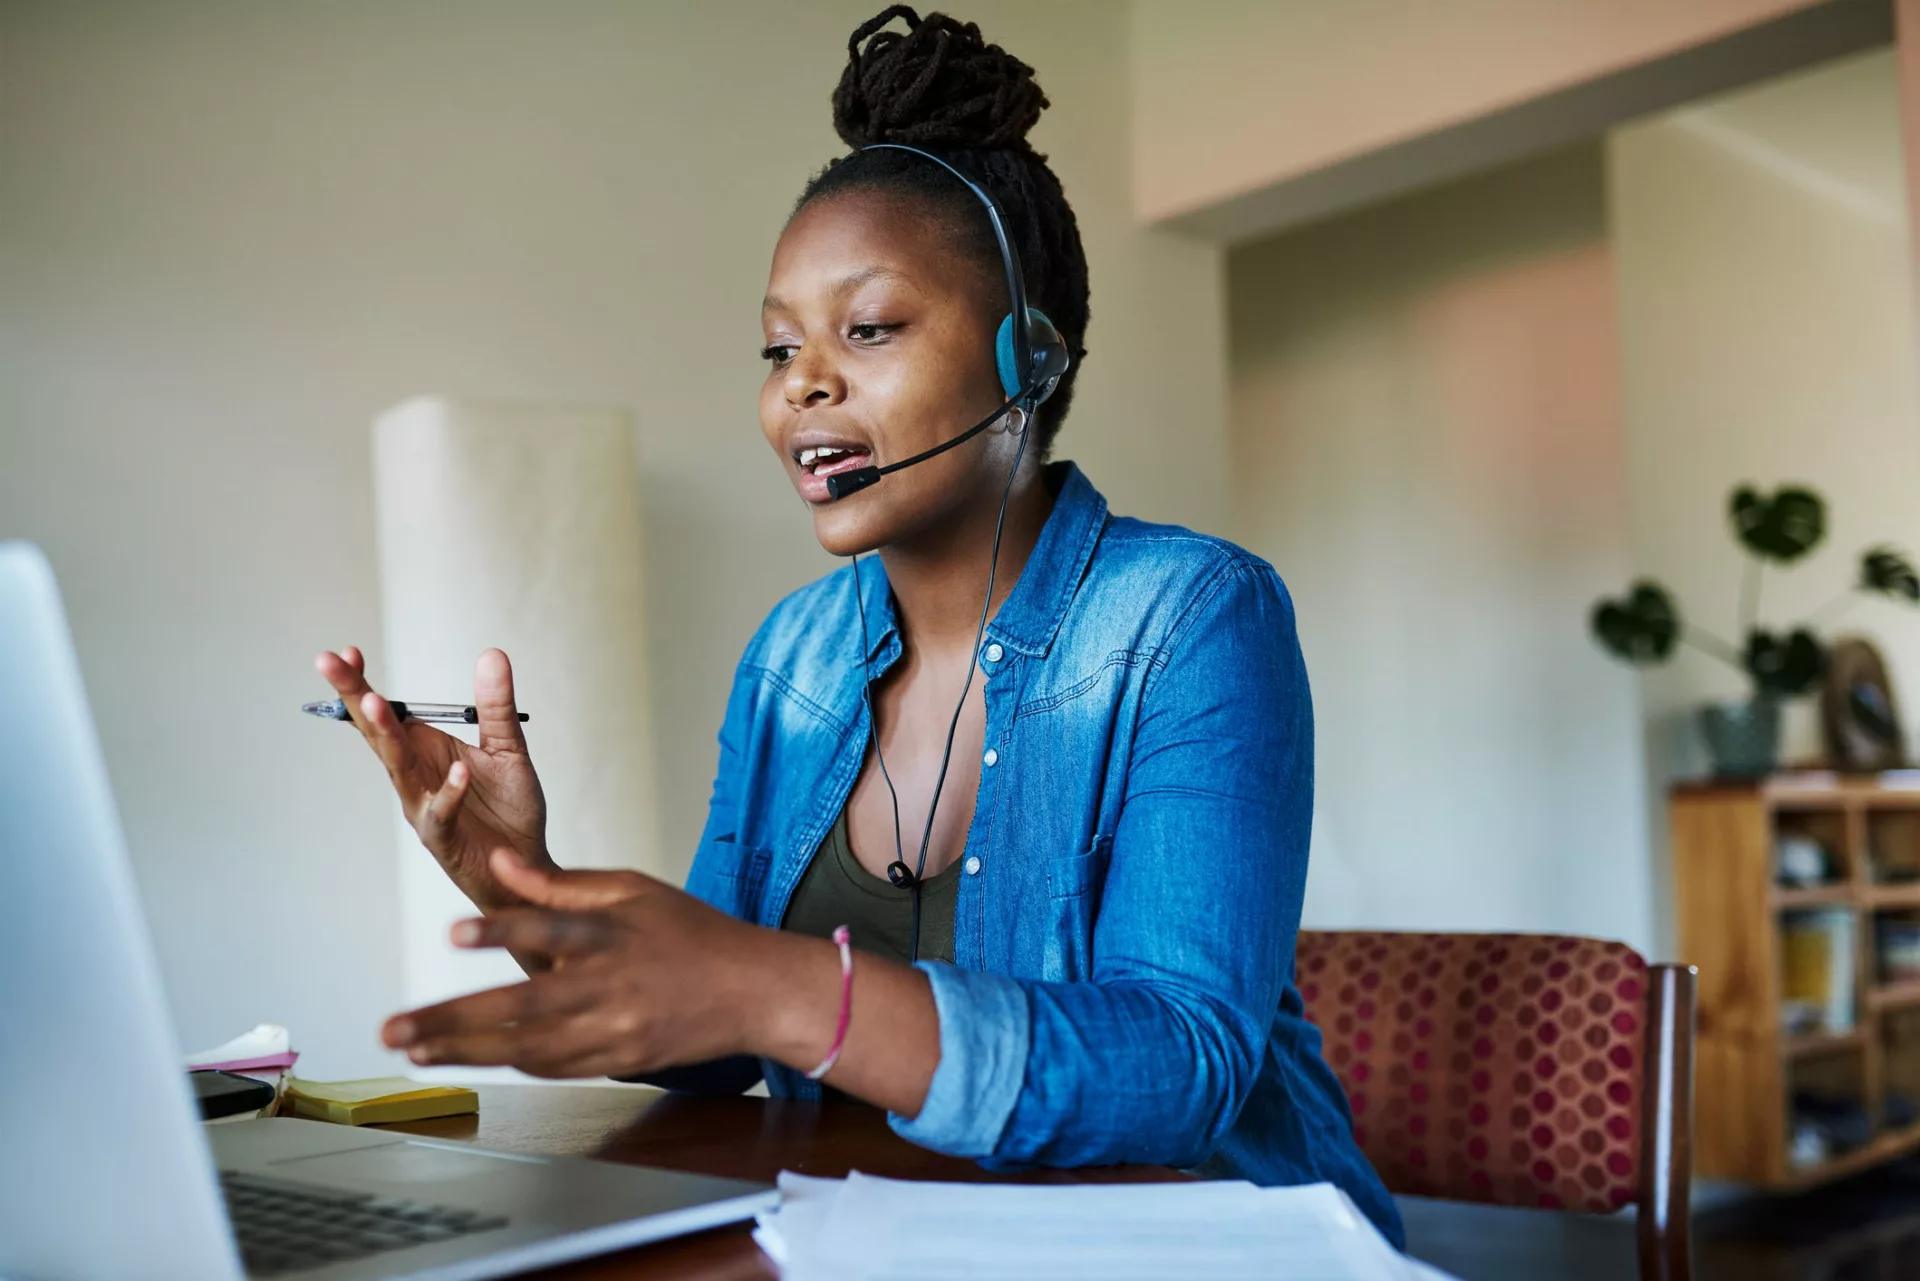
[937,85]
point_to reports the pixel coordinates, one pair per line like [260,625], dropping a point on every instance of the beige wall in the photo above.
[1427,443]
[1231,96]
[1767,336]
[1451,442]
[230,235]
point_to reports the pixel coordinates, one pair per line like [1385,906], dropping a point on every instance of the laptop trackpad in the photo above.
[404,1162]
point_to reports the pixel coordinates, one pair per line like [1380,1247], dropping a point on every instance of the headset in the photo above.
[1030,362]
[1030,357]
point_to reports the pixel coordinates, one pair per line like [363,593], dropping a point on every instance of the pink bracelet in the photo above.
[841,937]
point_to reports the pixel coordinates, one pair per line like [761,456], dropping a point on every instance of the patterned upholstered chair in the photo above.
[1515,1069]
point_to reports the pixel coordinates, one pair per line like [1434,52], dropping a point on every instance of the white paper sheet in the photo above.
[518,525]
[265,1040]
[868,1229]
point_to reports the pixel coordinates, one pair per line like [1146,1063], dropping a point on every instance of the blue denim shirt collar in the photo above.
[1031,615]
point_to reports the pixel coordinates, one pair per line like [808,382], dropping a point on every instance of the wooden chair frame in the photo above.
[1666,1126]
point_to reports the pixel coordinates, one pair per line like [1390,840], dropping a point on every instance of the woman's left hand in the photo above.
[645,976]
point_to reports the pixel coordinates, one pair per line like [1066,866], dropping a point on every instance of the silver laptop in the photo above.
[105,1168]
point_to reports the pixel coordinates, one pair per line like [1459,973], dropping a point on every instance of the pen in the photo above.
[451,713]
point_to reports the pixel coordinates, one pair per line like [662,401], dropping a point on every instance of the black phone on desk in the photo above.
[227,1093]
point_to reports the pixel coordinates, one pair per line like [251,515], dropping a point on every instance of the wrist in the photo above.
[790,999]
[484,890]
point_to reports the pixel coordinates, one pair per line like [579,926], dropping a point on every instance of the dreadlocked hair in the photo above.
[939,86]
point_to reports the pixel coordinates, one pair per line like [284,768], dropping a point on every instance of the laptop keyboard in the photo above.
[288,1227]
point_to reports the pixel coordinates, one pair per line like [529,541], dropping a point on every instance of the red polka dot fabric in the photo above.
[1502,1068]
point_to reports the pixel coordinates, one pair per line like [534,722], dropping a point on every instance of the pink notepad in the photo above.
[285,1059]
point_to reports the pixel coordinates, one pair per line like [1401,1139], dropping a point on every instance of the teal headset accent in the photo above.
[1040,330]
[1029,369]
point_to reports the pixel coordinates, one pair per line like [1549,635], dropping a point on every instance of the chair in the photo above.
[1532,1070]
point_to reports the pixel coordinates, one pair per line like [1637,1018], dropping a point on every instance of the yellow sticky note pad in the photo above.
[379,1100]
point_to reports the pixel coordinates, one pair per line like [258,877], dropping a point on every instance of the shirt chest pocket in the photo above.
[734,877]
[1073,904]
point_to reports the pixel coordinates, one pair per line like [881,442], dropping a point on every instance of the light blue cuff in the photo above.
[985,1028]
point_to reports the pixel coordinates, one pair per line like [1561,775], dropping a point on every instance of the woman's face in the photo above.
[880,344]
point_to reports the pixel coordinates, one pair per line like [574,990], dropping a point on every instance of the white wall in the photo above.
[1767,335]
[1427,443]
[231,234]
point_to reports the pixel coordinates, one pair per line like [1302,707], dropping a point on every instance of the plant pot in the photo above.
[1743,737]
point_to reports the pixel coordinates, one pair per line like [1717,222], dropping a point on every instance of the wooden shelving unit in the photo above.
[1885,896]
[1789,900]
[1808,1044]
[1893,996]
[1730,914]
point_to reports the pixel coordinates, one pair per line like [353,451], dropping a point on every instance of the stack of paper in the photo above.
[380,1100]
[868,1228]
[265,1054]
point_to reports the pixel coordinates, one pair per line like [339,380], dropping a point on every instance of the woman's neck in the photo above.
[938,581]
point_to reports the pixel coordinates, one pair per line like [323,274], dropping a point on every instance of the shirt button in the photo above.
[973,865]
[995,653]
[992,758]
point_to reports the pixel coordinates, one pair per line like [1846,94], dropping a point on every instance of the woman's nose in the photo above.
[812,381]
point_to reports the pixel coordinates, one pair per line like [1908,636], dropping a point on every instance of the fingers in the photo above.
[493,704]
[569,890]
[436,817]
[518,1004]
[570,1046]
[431,800]
[346,672]
[545,1027]
[390,744]
[538,930]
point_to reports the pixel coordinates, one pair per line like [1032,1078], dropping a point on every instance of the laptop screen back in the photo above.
[104,1170]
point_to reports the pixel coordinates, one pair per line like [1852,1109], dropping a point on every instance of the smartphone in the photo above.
[225,1093]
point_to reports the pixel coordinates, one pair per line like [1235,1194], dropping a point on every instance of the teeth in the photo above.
[808,457]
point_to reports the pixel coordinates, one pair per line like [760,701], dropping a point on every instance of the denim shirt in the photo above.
[1123,941]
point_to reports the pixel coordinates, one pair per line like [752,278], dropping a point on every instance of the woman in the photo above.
[1103,903]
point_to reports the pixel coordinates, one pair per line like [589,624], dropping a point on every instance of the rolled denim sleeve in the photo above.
[1152,1059]
[984,1024]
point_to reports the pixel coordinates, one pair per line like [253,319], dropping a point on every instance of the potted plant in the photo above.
[1645,627]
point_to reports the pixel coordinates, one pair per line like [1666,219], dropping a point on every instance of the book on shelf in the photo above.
[1817,971]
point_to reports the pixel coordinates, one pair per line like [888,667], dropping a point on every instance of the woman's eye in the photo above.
[869,333]
[777,353]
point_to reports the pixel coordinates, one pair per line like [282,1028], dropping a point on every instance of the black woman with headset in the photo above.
[1009,832]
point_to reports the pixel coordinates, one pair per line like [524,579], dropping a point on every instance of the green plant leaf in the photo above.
[1787,666]
[1642,628]
[1887,570]
[1782,528]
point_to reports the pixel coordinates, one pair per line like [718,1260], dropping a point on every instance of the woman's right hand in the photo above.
[464,801]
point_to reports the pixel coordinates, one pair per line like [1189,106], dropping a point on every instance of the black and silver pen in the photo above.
[444,713]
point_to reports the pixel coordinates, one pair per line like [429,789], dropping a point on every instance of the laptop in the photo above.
[106,1170]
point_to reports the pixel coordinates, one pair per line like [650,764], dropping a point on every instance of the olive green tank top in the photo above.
[837,891]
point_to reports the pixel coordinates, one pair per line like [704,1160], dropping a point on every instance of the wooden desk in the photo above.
[752,1138]
[741,1138]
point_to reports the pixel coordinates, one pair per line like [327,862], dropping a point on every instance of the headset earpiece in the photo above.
[1049,354]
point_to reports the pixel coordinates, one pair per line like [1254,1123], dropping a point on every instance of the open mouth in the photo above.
[831,460]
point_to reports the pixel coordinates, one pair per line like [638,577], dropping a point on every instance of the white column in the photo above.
[517,525]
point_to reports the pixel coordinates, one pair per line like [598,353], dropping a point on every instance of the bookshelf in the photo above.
[1749,1065]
